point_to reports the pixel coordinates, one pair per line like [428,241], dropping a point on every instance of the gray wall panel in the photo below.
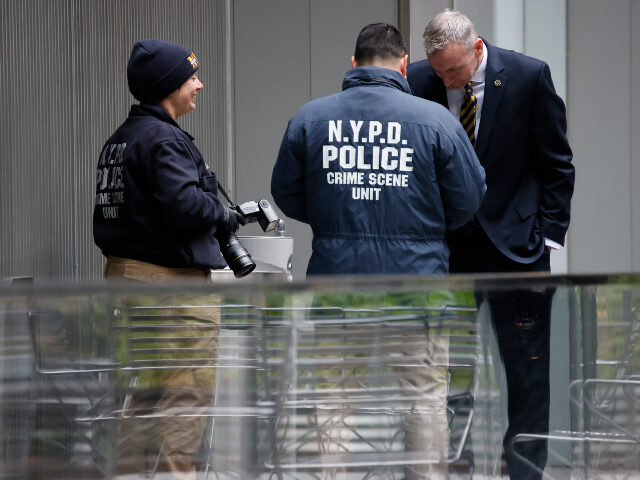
[333,37]
[482,14]
[271,81]
[509,21]
[421,13]
[635,135]
[598,98]
[545,37]
[64,62]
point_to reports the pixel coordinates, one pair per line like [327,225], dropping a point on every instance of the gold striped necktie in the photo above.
[468,113]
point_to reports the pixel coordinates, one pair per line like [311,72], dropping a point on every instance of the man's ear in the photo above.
[403,65]
[354,64]
[477,47]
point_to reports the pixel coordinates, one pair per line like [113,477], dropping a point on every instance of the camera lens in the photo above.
[237,257]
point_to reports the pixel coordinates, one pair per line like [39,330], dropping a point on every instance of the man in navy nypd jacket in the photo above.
[379,174]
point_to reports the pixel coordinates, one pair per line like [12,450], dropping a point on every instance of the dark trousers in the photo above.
[521,320]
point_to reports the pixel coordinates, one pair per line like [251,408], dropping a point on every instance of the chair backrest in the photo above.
[330,363]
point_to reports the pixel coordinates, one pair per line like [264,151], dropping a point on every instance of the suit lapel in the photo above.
[495,82]
[437,91]
[440,93]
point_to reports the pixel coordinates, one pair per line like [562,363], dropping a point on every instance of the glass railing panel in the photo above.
[341,378]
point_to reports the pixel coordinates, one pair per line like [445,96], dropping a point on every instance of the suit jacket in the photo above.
[523,147]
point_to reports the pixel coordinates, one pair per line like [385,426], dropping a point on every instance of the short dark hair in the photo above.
[379,40]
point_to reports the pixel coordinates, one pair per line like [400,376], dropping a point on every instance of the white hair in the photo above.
[448,27]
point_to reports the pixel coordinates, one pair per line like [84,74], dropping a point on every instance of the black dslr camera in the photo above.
[234,253]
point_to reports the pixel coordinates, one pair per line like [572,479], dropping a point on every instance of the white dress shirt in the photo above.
[455,97]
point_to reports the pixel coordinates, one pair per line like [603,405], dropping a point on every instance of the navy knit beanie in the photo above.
[156,68]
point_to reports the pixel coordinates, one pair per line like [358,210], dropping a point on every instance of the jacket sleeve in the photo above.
[176,188]
[552,158]
[461,178]
[288,178]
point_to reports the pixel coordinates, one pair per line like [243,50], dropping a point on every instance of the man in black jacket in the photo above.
[517,123]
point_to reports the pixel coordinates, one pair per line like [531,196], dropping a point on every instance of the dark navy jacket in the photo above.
[379,175]
[156,198]
[522,145]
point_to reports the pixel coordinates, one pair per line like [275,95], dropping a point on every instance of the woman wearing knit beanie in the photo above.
[157,218]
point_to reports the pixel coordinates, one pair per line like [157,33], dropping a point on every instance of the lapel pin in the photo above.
[497,83]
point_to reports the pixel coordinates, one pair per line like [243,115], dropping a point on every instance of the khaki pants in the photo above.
[422,374]
[419,359]
[164,411]
[125,268]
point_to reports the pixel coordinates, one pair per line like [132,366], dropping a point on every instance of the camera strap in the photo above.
[224,194]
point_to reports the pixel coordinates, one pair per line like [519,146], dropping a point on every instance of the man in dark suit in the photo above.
[517,123]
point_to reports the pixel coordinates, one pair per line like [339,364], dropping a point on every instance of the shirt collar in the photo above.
[478,77]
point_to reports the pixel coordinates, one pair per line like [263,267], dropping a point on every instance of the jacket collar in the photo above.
[362,76]
[145,109]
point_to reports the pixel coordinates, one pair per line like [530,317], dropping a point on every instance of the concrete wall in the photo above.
[603,64]
[420,12]
[634,22]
